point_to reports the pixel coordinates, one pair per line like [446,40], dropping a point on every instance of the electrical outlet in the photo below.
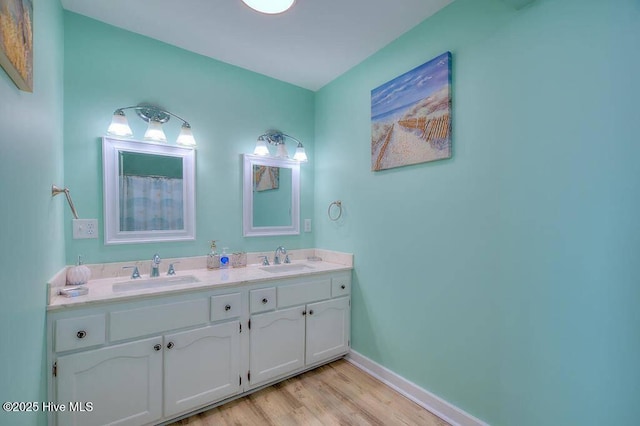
[85,228]
[307,225]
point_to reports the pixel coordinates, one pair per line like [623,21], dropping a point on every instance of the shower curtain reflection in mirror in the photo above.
[151,192]
[151,203]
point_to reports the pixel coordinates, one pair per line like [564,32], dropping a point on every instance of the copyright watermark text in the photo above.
[32,407]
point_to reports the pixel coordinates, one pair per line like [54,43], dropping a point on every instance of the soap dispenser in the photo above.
[224,259]
[213,259]
[79,274]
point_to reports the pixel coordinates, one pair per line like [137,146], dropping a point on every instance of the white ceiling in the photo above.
[309,45]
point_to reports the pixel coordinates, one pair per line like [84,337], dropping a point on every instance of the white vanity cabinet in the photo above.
[159,375]
[201,366]
[290,338]
[327,331]
[122,382]
[125,382]
[149,360]
[277,344]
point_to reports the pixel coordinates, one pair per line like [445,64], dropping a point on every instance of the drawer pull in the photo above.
[81,334]
[157,347]
[343,286]
[265,301]
[170,345]
[227,308]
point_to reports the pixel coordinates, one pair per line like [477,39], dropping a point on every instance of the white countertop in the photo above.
[101,289]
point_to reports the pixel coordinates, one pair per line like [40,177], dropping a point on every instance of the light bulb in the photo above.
[261,148]
[282,151]
[185,137]
[300,155]
[154,132]
[119,125]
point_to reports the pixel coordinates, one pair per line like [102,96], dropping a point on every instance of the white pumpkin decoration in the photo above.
[79,274]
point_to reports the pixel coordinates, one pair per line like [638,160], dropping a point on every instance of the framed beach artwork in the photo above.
[411,116]
[265,178]
[16,41]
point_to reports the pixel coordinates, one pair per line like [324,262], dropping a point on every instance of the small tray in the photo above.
[73,291]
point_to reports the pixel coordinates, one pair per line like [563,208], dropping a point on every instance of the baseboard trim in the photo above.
[438,406]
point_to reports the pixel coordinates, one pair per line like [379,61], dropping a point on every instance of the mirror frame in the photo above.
[111,148]
[247,212]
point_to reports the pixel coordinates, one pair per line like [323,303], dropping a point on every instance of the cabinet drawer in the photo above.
[82,332]
[157,319]
[263,299]
[341,285]
[300,294]
[225,306]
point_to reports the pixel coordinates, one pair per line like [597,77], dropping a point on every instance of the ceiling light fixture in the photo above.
[277,138]
[270,7]
[156,117]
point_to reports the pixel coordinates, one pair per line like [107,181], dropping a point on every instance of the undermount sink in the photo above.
[143,284]
[286,267]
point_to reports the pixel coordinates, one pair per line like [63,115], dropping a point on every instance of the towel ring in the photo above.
[338,204]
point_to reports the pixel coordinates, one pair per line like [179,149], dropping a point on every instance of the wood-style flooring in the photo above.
[335,394]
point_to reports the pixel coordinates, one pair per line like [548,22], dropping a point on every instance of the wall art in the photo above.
[265,178]
[411,116]
[16,41]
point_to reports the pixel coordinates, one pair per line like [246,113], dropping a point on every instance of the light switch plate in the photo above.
[307,225]
[85,228]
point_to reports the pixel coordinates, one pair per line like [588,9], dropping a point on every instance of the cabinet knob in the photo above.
[311,312]
[304,313]
[157,347]
[81,334]
[170,345]
[227,308]
[343,286]
[265,301]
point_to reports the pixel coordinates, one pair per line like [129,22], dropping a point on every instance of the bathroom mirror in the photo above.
[271,196]
[149,192]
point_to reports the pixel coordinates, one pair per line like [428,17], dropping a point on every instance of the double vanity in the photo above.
[147,346]
[151,350]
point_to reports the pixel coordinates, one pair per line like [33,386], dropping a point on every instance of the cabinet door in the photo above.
[277,344]
[123,382]
[201,366]
[328,325]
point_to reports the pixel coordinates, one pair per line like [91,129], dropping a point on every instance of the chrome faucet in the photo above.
[172,269]
[135,274]
[276,257]
[155,266]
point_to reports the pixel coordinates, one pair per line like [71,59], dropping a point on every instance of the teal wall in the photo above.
[227,107]
[31,234]
[506,279]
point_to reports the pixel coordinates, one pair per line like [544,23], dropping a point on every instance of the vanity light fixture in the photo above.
[270,7]
[156,117]
[277,138]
